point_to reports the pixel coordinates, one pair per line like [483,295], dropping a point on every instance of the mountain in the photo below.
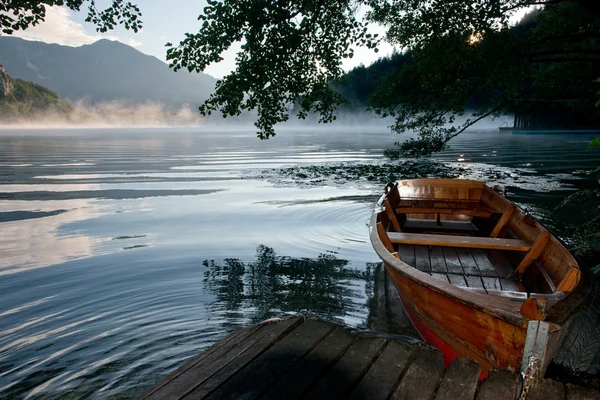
[104,70]
[21,99]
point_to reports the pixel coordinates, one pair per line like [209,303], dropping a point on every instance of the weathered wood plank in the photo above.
[440,277]
[460,380]
[452,261]
[546,390]
[422,262]
[203,382]
[512,285]
[468,263]
[383,375]
[474,281]
[503,267]
[422,377]
[483,263]
[575,392]
[342,377]
[407,254]
[491,283]
[302,375]
[500,385]
[179,383]
[457,280]
[438,263]
[271,365]
[459,241]
[222,346]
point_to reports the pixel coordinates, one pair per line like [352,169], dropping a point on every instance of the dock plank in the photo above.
[382,377]
[298,358]
[500,385]
[460,380]
[299,379]
[422,377]
[270,366]
[341,378]
[198,383]
[222,346]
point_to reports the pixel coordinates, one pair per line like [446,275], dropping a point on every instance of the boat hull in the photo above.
[459,329]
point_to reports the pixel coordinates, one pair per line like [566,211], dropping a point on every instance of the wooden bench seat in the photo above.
[443,210]
[459,241]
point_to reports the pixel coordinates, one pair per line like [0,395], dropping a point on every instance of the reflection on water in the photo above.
[122,254]
[325,287]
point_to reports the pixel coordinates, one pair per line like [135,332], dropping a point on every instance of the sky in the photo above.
[162,23]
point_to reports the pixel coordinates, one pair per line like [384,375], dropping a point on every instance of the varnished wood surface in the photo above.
[459,241]
[298,358]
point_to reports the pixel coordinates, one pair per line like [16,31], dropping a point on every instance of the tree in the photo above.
[21,14]
[292,52]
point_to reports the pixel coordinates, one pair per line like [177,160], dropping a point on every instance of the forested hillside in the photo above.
[20,99]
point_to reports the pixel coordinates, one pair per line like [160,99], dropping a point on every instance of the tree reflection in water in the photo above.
[324,287]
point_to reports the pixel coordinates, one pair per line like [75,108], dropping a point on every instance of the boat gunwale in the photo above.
[508,309]
[504,308]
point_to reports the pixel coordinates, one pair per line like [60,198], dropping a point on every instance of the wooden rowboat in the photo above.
[477,276]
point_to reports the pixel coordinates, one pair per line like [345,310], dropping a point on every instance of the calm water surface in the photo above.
[123,253]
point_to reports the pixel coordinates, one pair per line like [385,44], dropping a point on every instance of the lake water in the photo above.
[123,253]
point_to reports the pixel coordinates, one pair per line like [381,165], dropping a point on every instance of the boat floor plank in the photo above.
[452,261]
[407,254]
[269,367]
[491,283]
[512,285]
[474,281]
[382,377]
[306,371]
[422,377]
[440,277]
[503,267]
[271,334]
[460,380]
[341,378]
[422,262]
[500,385]
[436,258]
[468,263]
[483,263]
[457,280]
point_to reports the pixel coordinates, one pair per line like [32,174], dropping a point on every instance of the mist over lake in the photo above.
[123,252]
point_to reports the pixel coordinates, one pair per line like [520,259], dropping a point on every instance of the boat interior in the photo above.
[467,234]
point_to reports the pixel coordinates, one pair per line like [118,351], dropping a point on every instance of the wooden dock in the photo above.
[311,359]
